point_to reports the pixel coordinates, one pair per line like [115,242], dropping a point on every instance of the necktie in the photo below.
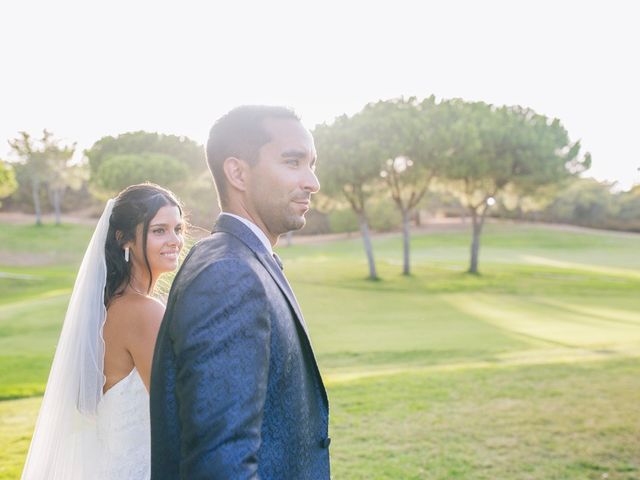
[278,261]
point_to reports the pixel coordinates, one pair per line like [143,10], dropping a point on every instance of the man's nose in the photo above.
[311,182]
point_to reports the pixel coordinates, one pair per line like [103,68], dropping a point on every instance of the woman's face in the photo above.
[164,242]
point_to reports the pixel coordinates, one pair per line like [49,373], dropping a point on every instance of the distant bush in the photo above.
[342,221]
[588,203]
[384,216]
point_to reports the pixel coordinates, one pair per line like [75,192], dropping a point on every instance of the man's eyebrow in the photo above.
[294,153]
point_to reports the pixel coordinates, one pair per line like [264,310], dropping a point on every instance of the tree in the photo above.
[182,149]
[7,180]
[628,217]
[187,156]
[494,149]
[348,165]
[119,171]
[34,164]
[408,134]
[61,173]
[586,202]
[45,162]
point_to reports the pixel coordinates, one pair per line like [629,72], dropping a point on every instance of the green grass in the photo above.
[563,421]
[527,371]
[51,239]
[17,420]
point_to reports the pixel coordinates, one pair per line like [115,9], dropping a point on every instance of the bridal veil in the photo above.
[65,442]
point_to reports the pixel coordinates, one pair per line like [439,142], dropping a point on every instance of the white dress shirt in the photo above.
[255,229]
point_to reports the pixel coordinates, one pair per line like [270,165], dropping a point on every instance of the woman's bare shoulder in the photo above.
[133,309]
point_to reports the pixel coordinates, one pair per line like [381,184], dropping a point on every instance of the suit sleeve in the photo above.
[221,334]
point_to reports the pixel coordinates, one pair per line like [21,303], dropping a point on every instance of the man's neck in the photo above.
[266,239]
[241,211]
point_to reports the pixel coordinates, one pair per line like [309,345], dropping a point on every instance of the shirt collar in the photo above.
[255,229]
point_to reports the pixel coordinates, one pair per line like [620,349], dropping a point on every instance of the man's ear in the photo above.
[235,170]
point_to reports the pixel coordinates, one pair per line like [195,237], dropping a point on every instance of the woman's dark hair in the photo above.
[135,205]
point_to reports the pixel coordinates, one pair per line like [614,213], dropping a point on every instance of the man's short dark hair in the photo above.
[240,133]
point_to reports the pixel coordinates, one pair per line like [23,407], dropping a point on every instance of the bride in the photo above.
[94,419]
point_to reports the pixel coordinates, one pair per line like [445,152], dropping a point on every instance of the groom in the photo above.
[235,389]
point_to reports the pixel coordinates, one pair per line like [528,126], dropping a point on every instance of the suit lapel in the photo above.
[277,274]
[233,226]
[236,228]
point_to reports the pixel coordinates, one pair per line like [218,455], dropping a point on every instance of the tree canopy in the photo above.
[119,171]
[349,166]
[478,150]
[493,149]
[182,149]
[46,162]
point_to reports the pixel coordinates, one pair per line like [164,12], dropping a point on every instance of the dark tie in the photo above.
[278,261]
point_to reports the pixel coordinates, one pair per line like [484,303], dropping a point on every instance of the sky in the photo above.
[87,69]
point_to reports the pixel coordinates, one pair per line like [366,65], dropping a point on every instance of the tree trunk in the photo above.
[477,223]
[56,205]
[463,215]
[406,270]
[35,188]
[418,218]
[366,238]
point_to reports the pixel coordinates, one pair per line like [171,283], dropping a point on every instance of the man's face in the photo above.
[283,179]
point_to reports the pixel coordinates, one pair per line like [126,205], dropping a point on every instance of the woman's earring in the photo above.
[126,254]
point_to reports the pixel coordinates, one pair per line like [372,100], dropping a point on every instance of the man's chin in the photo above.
[295,223]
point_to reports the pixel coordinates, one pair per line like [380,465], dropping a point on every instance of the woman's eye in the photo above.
[294,162]
[159,231]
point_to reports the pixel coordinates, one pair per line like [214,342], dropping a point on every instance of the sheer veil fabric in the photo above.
[65,443]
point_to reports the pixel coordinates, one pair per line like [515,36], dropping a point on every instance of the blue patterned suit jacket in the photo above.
[235,388]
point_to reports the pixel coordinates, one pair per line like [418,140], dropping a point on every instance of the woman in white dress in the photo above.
[94,419]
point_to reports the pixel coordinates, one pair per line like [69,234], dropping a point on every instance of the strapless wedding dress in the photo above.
[124,431]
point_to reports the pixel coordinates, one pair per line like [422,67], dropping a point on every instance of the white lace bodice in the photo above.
[124,430]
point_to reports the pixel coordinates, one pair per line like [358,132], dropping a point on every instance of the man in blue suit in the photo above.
[235,388]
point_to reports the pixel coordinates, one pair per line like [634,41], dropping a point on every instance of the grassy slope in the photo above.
[522,372]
